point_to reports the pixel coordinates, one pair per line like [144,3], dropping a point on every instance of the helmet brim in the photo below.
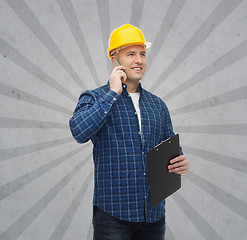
[145,44]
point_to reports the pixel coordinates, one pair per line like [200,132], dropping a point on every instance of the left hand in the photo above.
[179,165]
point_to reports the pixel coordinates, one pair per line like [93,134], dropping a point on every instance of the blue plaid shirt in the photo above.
[120,148]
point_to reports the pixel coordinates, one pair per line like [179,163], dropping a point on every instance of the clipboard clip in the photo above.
[157,149]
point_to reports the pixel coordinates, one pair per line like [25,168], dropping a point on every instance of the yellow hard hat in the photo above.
[126,35]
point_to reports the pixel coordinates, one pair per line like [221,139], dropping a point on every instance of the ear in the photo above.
[112,58]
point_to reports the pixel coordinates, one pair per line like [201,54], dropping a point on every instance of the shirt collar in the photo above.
[139,89]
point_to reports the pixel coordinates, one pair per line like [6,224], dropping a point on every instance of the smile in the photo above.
[138,69]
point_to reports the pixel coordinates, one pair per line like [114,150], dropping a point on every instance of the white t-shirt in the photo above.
[135,99]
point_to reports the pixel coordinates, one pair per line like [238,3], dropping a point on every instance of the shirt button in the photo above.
[105,112]
[142,153]
[128,95]
[135,113]
[144,174]
[114,99]
[139,133]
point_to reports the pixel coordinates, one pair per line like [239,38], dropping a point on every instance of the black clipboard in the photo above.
[162,183]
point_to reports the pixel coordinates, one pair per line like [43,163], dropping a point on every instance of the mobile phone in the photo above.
[115,63]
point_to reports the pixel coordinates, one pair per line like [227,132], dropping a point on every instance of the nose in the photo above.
[138,59]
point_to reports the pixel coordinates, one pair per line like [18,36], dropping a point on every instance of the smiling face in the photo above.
[135,61]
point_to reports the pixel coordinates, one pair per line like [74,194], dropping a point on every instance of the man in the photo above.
[124,122]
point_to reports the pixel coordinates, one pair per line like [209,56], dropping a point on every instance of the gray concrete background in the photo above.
[53,50]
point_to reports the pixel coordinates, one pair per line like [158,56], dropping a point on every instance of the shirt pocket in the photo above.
[153,122]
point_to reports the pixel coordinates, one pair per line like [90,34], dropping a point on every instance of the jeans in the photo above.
[107,227]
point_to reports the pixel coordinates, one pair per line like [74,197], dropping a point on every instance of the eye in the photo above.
[143,54]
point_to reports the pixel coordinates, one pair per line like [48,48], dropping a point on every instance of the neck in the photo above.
[132,86]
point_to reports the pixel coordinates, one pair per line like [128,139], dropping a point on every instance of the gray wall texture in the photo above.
[52,50]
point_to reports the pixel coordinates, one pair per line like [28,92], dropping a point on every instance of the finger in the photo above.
[182,171]
[178,164]
[176,168]
[121,73]
[179,170]
[123,76]
[177,159]
[119,68]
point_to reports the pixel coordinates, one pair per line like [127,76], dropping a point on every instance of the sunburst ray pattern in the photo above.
[51,51]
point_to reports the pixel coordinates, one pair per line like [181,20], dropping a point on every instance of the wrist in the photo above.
[118,92]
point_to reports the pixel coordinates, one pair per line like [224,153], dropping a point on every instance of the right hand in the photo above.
[117,77]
